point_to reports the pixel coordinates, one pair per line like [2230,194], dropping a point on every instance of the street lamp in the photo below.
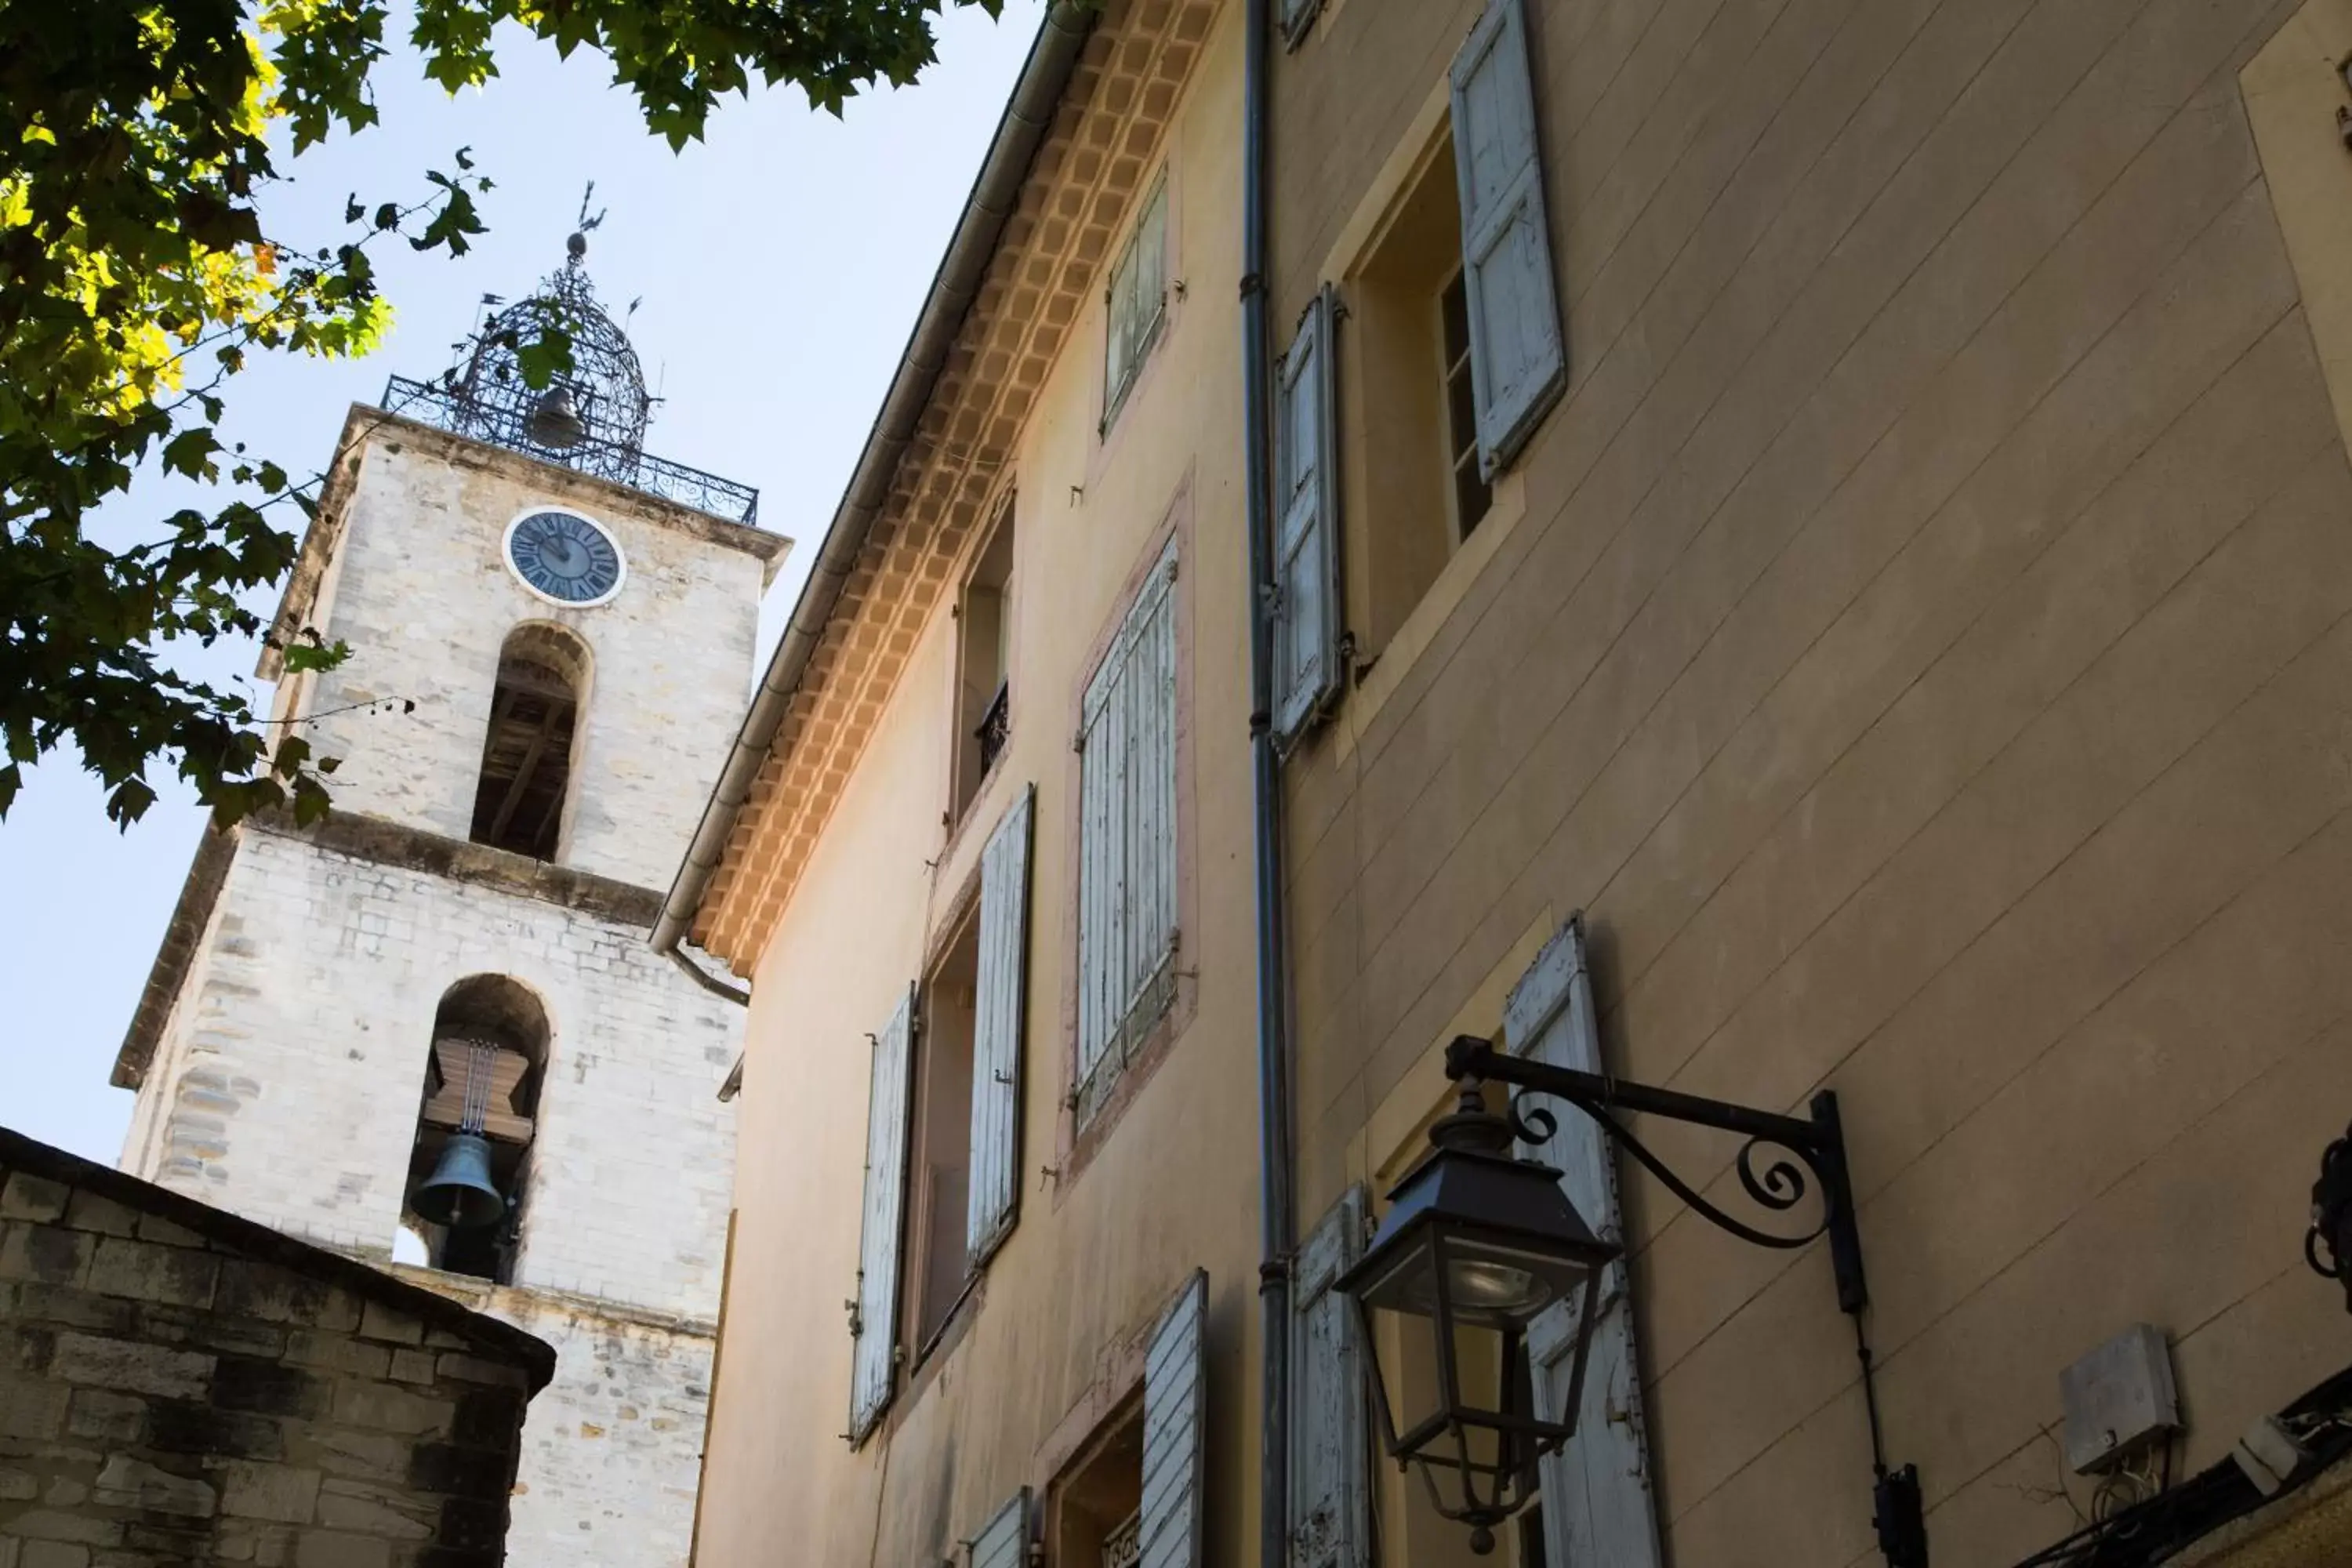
[1476,1246]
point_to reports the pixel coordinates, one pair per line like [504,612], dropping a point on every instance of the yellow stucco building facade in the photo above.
[1808,544]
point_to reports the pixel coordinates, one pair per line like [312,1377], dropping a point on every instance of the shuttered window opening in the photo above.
[873,1316]
[1597,1506]
[1307,599]
[1003,1541]
[1173,1396]
[999,1027]
[1127,851]
[1136,302]
[1330,1485]
[1519,354]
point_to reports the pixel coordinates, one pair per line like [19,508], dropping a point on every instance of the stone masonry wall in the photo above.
[168,1397]
[285,1086]
[421,591]
[613,1449]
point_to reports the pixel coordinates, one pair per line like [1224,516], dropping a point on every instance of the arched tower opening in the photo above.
[470,1169]
[525,786]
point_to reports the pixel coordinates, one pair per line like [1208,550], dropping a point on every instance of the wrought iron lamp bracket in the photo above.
[1803,1151]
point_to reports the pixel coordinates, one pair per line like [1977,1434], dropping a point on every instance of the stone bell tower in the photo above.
[429,1031]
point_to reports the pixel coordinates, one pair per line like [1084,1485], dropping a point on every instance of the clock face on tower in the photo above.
[564,557]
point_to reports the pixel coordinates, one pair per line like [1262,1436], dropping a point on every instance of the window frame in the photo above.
[1128,1031]
[1078,1140]
[1119,383]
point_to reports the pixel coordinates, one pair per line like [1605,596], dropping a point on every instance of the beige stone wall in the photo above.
[287,1085]
[1046,1343]
[613,1449]
[419,588]
[169,1397]
[1918,642]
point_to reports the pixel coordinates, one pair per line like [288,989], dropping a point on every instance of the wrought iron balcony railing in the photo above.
[993,726]
[452,411]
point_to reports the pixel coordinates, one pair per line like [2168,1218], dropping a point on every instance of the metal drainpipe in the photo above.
[1265,770]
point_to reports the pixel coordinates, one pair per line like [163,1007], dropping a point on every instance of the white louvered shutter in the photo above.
[1173,1399]
[1597,1512]
[1329,1489]
[1298,16]
[999,1013]
[1307,592]
[874,1357]
[1518,355]
[1003,1541]
[1126,852]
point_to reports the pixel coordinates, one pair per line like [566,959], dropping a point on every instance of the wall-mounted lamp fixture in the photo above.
[1478,1244]
[2327,1245]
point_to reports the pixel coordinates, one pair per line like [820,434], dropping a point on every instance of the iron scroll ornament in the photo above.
[1813,1155]
[1781,1186]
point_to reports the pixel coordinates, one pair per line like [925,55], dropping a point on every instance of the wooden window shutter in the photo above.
[1003,1541]
[1173,1394]
[1126,852]
[875,1326]
[999,1013]
[1518,355]
[1306,590]
[1597,1505]
[1329,1484]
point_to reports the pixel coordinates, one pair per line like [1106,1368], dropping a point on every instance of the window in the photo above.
[943,1128]
[1136,302]
[1133,1494]
[984,663]
[520,801]
[1127,829]
[941,1163]
[1472,494]
[469,1167]
[1454,353]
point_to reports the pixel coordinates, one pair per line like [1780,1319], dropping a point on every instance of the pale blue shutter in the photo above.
[1596,1490]
[1003,1541]
[999,1012]
[1173,1399]
[875,1326]
[1307,592]
[1127,846]
[1518,356]
[1329,1489]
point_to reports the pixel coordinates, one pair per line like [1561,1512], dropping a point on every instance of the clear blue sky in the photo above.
[780,263]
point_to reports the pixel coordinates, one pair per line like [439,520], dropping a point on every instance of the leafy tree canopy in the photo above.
[137,277]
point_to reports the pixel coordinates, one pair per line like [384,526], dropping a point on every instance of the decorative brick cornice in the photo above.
[1114,115]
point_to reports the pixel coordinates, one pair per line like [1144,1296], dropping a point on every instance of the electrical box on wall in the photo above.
[2119,1399]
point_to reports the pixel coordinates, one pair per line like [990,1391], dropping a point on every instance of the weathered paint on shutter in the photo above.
[1298,16]
[1174,1394]
[1000,1010]
[1127,854]
[1003,1541]
[1307,592]
[874,1358]
[1329,1489]
[1518,355]
[1597,1507]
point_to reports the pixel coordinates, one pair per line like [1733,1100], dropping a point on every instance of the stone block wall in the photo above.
[420,590]
[179,1386]
[308,1012]
[611,1455]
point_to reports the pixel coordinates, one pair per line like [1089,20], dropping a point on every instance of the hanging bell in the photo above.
[459,1194]
[555,421]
